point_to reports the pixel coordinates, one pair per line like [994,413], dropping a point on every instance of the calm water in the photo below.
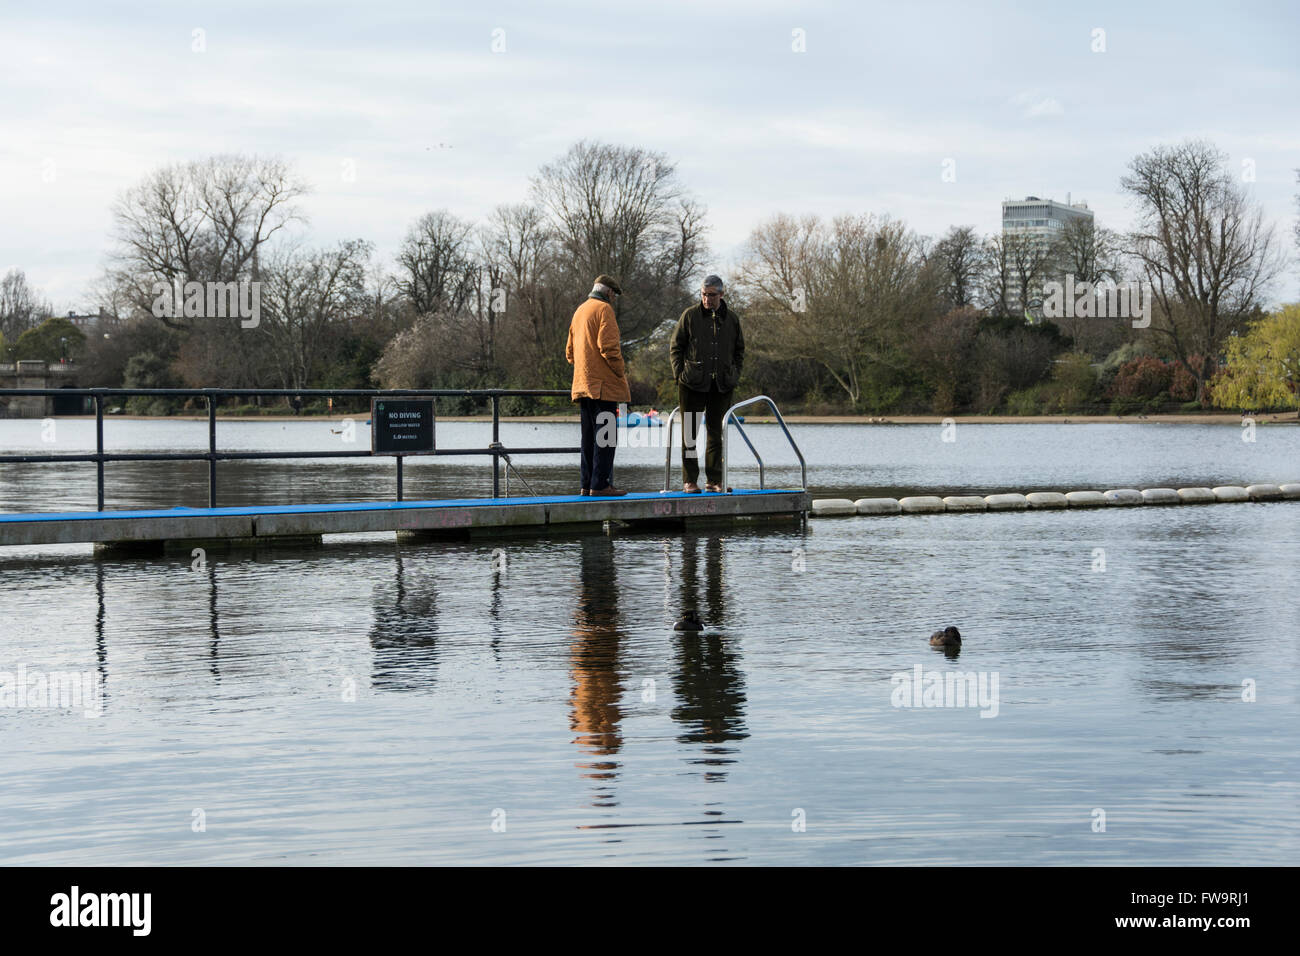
[368,702]
[842,459]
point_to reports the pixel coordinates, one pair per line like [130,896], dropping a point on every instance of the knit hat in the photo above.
[608,282]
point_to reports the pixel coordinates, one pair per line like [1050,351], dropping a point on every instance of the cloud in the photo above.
[1032,106]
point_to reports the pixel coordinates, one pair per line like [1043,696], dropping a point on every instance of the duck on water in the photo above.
[948,637]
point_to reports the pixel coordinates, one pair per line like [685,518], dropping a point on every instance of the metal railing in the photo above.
[730,419]
[496,450]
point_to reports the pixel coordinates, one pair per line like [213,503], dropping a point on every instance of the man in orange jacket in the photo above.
[599,384]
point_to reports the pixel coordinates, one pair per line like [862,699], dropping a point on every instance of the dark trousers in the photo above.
[599,440]
[713,405]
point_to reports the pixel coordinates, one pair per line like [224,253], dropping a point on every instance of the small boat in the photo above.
[635,419]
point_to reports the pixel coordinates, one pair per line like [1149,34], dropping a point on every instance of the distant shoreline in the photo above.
[1207,418]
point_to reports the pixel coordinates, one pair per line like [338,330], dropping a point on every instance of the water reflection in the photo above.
[707,679]
[101,646]
[404,633]
[594,667]
[214,629]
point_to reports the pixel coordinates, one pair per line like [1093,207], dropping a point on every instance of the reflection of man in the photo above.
[599,384]
[404,635]
[707,353]
[595,713]
[709,685]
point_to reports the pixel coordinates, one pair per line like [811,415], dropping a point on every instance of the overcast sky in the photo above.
[413,98]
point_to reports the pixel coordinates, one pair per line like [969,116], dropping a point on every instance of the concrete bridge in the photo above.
[39,374]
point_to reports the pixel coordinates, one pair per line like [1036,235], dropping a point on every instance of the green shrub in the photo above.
[518,405]
[1156,404]
[1125,405]
[151,405]
[1024,402]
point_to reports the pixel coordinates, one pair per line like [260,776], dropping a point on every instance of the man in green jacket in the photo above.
[707,353]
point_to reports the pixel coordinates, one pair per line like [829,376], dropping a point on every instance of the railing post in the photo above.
[726,457]
[99,452]
[212,449]
[668,454]
[399,477]
[496,446]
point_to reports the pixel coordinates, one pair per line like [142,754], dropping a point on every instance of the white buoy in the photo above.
[921,504]
[1008,502]
[1264,492]
[833,508]
[1124,497]
[1047,499]
[1161,496]
[1085,499]
[1121,497]
[1230,493]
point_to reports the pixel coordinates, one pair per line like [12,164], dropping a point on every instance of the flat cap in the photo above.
[608,281]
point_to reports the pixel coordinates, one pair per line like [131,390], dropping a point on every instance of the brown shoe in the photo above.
[610,492]
[712,488]
[691,488]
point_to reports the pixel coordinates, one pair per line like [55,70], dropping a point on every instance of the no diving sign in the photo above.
[401,426]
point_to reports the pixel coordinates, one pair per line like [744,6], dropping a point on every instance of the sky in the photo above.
[393,109]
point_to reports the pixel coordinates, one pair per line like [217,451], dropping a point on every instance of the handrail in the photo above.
[730,417]
[740,428]
[668,447]
[495,449]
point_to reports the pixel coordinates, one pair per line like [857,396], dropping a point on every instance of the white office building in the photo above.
[1043,219]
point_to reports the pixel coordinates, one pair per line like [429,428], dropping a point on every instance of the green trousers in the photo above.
[710,405]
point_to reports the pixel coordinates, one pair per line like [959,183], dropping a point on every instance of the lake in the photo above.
[1132,674]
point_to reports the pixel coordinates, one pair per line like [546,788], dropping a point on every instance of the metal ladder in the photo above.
[730,419]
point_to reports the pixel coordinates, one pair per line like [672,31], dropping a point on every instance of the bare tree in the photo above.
[961,259]
[999,277]
[202,221]
[1091,254]
[941,351]
[439,270]
[303,294]
[843,296]
[21,306]
[519,242]
[1030,257]
[621,210]
[1087,251]
[1204,248]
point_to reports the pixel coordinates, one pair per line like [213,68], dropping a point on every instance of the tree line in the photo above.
[854,314]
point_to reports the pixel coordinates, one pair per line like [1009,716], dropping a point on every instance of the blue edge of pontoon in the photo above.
[358,506]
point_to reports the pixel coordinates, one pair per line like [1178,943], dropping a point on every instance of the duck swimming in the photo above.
[948,637]
[690,621]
